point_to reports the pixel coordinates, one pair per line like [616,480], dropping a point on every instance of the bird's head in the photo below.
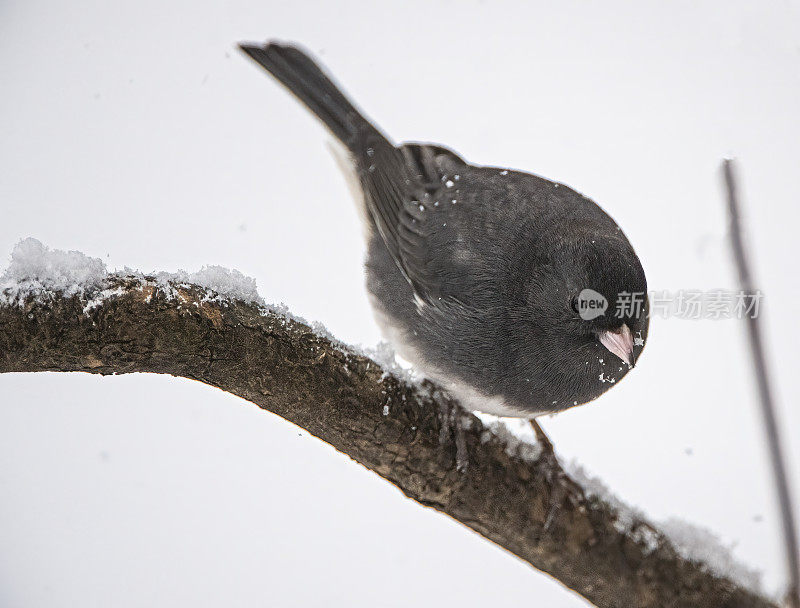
[588,310]
[607,296]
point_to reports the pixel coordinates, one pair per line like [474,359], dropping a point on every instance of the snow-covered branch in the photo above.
[62,311]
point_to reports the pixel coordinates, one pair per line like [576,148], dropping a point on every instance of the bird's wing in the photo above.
[404,194]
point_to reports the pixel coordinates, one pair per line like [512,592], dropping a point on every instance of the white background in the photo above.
[135,132]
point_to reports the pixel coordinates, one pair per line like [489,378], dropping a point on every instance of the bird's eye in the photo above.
[573,303]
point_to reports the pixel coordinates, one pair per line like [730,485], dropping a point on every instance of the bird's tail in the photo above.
[306,80]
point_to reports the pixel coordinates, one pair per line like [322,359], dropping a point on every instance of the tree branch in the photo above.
[518,498]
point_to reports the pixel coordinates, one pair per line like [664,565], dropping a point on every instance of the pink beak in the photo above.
[619,342]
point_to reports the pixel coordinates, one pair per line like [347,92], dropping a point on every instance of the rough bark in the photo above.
[407,435]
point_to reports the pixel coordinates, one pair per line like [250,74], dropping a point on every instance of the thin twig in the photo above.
[764,391]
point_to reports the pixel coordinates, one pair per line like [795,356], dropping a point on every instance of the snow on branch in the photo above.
[37,271]
[63,311]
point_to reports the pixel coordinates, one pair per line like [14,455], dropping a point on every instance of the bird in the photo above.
[502,286]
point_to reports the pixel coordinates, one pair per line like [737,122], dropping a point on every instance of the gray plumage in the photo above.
[474,272]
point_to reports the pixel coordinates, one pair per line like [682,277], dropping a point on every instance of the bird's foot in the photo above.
[542,438]
[452,427]
[553,477]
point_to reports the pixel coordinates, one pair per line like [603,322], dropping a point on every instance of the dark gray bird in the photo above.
[502,285]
